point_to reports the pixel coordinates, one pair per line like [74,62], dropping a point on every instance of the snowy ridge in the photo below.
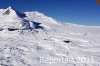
[25,40]
[11,18]
[40,17]
[12,12]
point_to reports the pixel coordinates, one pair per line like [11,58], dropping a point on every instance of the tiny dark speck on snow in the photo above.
[67,41]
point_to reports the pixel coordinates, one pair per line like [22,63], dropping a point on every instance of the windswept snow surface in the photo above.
[47,44]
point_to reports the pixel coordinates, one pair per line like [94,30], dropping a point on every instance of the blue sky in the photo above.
[85,12]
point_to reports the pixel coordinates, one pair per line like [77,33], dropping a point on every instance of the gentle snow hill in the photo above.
[38,40]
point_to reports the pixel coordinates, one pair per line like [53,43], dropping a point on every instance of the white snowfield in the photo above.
[33,39]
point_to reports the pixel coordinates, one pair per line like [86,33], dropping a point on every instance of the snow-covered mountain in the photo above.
[33,39]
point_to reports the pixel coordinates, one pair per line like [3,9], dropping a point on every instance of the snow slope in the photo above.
[36,40]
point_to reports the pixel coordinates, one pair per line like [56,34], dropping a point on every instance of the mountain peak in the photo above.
[10,7]
[13,12]
[8,10]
